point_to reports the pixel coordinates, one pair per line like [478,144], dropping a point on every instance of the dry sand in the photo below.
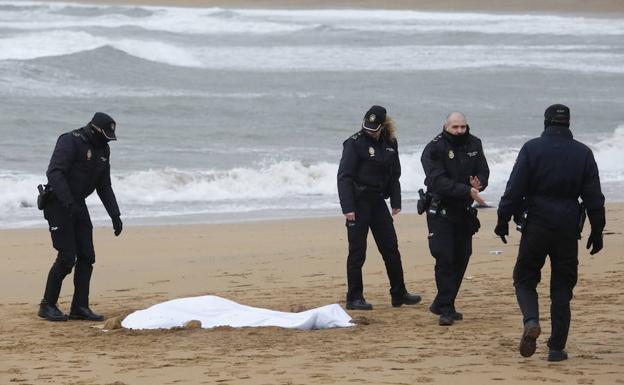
[279,264]
[522,6]
[284,264]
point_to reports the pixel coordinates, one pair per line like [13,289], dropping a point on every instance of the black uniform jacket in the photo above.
[369,166]
[448,167]
[78,167]
[550,174]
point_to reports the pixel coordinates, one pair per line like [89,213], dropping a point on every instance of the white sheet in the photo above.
[215,311]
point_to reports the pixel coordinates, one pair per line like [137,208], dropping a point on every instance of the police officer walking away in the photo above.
[79,165]
[455,172]
[549,176]
[369,173]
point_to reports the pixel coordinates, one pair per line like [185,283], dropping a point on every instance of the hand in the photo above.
[595,242]
[350,216]
[117,225]
[502,229]
[475,182]
[395,211]
[474,194]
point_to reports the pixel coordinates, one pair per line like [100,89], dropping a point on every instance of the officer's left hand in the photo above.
[117,225]
[395,211]
[502,229]
[475,182]
[595,242]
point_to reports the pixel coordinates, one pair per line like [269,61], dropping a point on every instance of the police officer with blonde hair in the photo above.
[369,173]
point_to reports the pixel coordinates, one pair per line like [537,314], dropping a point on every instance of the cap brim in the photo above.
[371,126]
[110,135]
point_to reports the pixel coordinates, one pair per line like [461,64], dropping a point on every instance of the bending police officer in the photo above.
[455,172]
[79,165]
[550,174]
[369,173]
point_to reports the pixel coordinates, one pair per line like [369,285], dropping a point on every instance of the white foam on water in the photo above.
[38,15]
[321,58]
[37,30]
[277,185]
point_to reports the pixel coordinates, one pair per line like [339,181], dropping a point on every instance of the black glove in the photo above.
[595,242]
[117,225]
[502,229]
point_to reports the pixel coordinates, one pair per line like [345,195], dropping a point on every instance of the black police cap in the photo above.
[557,113]
[374,118]
[105,124]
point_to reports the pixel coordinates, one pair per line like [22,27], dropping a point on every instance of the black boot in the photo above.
[406,299]
[359,304]
[84,313]
[50,312]
[528,343]
[446,319]
[457,316]
[557,355]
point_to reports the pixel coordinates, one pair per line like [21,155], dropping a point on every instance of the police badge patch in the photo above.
[372,118]
[89,154]
[451,154]
[371,151]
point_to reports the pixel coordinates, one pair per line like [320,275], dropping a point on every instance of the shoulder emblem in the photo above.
[76,133]
[356,135]
[437,138]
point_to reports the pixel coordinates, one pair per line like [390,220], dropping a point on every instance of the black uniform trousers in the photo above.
[450,243]
[535,244]
[372,212]
[72,237]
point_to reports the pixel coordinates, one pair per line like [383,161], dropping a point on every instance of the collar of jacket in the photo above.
[557,131]
[456,140]
[91,137]
[384,137]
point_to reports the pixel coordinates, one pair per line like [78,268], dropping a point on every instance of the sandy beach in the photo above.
[281,264]
[523,6]
[278,264]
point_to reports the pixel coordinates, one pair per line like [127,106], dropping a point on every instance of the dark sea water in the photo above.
[240,114]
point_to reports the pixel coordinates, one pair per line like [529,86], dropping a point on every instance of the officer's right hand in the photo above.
[595,242]
[117,225]
[474,194]
[502,229]
[350,216]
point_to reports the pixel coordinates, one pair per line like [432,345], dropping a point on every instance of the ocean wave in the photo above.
[39,16]
[571,57]
[286,183]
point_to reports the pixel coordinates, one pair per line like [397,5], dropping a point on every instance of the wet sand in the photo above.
[278,264]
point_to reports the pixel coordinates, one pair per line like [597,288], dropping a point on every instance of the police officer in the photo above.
[549,176]
[79,165]
[455,172]
[369,173]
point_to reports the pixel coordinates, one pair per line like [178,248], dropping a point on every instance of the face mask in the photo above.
[457,140]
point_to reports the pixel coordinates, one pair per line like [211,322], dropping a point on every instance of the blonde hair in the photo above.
[390,127]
